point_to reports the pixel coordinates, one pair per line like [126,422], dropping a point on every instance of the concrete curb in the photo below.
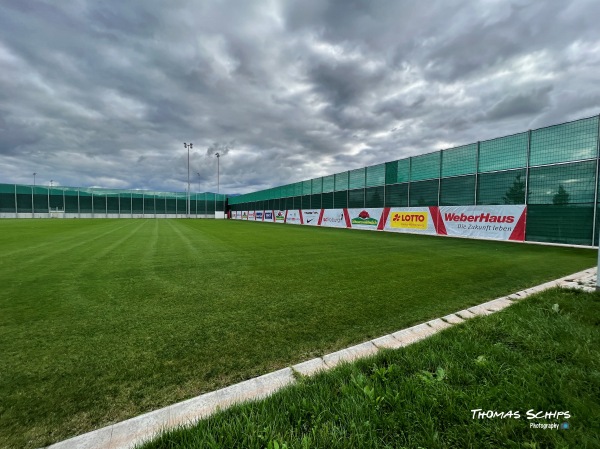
[132,432]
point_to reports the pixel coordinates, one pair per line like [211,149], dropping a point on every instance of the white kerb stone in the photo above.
[349,354]
[310,367]
[387,341]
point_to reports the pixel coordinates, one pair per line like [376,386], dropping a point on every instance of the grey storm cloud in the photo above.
[105,93]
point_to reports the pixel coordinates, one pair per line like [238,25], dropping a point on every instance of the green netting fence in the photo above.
[27,199]
[552,170]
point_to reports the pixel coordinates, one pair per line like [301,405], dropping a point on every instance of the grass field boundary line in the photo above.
[135,431]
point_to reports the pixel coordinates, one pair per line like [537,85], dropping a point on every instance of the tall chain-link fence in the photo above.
[26,201]
[552,170]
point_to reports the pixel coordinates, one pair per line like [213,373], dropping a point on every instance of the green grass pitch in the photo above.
[101,320]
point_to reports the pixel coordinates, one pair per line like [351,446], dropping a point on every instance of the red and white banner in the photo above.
[486,222]
[413,220]
[293,216]
[280,216]
[368,219]
[334,218]
[311,217]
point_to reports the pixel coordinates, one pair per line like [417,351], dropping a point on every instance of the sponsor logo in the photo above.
[409,220]
[487,218]
[279,216]
[334,219]
[259,215]
[364,219]
[310,216]
[268,215]
[244,215]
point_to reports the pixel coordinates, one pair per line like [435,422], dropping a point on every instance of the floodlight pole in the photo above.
[188,146]
[218,170]
[217,195]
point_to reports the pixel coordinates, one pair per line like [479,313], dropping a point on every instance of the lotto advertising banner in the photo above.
[311,217]
[413,220]
[369,219]
[334,218]
[279,216]
[293,217]
[259,215]
[486,222]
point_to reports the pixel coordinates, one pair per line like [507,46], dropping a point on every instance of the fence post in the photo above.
[527,167]
[596,183]
[440,177]
[409,180]
[476,171]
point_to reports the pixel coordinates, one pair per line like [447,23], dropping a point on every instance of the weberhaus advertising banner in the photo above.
[485,222]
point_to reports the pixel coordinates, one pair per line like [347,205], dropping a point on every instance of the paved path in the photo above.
[127,434]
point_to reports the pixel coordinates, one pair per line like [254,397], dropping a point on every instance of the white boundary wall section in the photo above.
[479,222]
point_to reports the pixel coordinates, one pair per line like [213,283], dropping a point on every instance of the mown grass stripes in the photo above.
[101,320]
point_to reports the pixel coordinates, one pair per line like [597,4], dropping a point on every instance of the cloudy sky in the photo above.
[104,93]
